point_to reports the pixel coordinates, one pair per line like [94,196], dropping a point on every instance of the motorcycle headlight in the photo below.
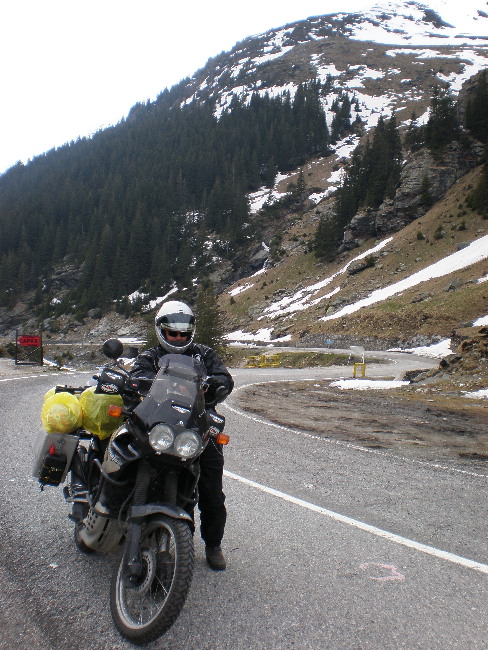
[187,444]
[161,437]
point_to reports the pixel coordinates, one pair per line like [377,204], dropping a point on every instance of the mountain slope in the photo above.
[356,49]
[159,200]
[309,301]
[387,61]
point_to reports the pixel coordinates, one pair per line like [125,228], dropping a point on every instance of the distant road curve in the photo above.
[399,362]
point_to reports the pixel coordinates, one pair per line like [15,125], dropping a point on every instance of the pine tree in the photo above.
[327,238]
[341,122]
[139,248]
[443,126]
[161,274]
[426,198]
[371,176]
[210,330]
[301,186]
[477,110]
[412,139]
[478,199]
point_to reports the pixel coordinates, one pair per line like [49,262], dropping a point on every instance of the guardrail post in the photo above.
[262,361]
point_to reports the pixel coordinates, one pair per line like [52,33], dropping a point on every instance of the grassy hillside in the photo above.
[433,308]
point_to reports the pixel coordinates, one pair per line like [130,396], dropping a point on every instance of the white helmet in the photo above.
[175,316]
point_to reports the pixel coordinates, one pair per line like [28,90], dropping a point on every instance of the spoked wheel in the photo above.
[146,609]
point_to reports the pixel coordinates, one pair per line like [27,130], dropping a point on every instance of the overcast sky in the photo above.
[71,67]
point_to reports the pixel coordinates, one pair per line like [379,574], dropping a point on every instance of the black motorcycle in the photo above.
[139,490]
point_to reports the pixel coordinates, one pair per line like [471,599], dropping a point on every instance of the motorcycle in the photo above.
[138,491]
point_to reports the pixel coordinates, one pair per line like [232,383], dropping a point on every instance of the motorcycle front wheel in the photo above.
[146,609]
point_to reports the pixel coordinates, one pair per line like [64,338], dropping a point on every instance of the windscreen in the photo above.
[167,385]
[175,393]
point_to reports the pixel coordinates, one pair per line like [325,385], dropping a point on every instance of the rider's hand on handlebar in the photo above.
[215,391]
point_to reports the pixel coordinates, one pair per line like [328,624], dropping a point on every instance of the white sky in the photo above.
[71,67]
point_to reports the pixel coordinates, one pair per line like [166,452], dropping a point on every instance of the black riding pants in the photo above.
[211,499]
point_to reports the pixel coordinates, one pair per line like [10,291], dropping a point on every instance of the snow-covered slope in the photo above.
[311,295]
[438,22]
[387,58]
[408,23]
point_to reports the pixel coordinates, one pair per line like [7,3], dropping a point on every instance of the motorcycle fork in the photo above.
[170,492]
[133,562]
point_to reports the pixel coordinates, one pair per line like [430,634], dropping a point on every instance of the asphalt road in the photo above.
[329,545]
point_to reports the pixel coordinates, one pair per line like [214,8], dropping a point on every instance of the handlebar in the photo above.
[73,390]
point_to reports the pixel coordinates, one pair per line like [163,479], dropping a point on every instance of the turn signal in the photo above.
[114,411]
[222,439]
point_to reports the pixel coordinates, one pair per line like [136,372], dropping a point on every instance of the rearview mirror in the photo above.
[112,348]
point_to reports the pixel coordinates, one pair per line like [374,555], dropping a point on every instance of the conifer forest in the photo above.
[136,202]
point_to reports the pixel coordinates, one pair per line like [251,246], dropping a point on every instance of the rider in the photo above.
[175,329]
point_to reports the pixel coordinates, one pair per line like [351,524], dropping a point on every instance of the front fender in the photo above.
[140,512]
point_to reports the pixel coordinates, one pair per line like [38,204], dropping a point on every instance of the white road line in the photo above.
[43,376]
[397,539]
[15,378]
[54,374]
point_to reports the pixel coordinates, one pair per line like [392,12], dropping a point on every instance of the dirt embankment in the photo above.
[429,427]
[9,370]
[432,418]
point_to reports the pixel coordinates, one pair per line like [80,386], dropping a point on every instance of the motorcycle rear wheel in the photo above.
[145,610]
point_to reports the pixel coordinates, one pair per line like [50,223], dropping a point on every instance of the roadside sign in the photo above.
[28,349]
[29,341]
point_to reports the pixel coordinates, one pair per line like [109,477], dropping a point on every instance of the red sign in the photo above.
[29,341]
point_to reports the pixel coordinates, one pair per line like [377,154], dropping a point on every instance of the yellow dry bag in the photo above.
[61,413]
[95,412]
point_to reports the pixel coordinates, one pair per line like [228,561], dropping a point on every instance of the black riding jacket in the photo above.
[146,364]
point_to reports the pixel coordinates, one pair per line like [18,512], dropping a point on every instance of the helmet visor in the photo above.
[176,322]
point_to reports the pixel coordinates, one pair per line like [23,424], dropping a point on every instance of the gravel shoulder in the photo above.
[429,424]
[8,369]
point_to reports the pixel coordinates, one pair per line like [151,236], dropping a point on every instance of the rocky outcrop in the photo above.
[468,364]
[64,278]
[425,179]
[466,94]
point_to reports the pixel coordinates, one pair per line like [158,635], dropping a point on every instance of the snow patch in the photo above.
[367,384]
[262,335]
[302,298]
[436,351]
[475,252]
[478,394]
[238,290]
[481,321]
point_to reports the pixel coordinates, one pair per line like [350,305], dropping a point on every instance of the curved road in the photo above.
[329,545]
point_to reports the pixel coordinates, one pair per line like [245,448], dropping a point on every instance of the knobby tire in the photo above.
[146,610]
